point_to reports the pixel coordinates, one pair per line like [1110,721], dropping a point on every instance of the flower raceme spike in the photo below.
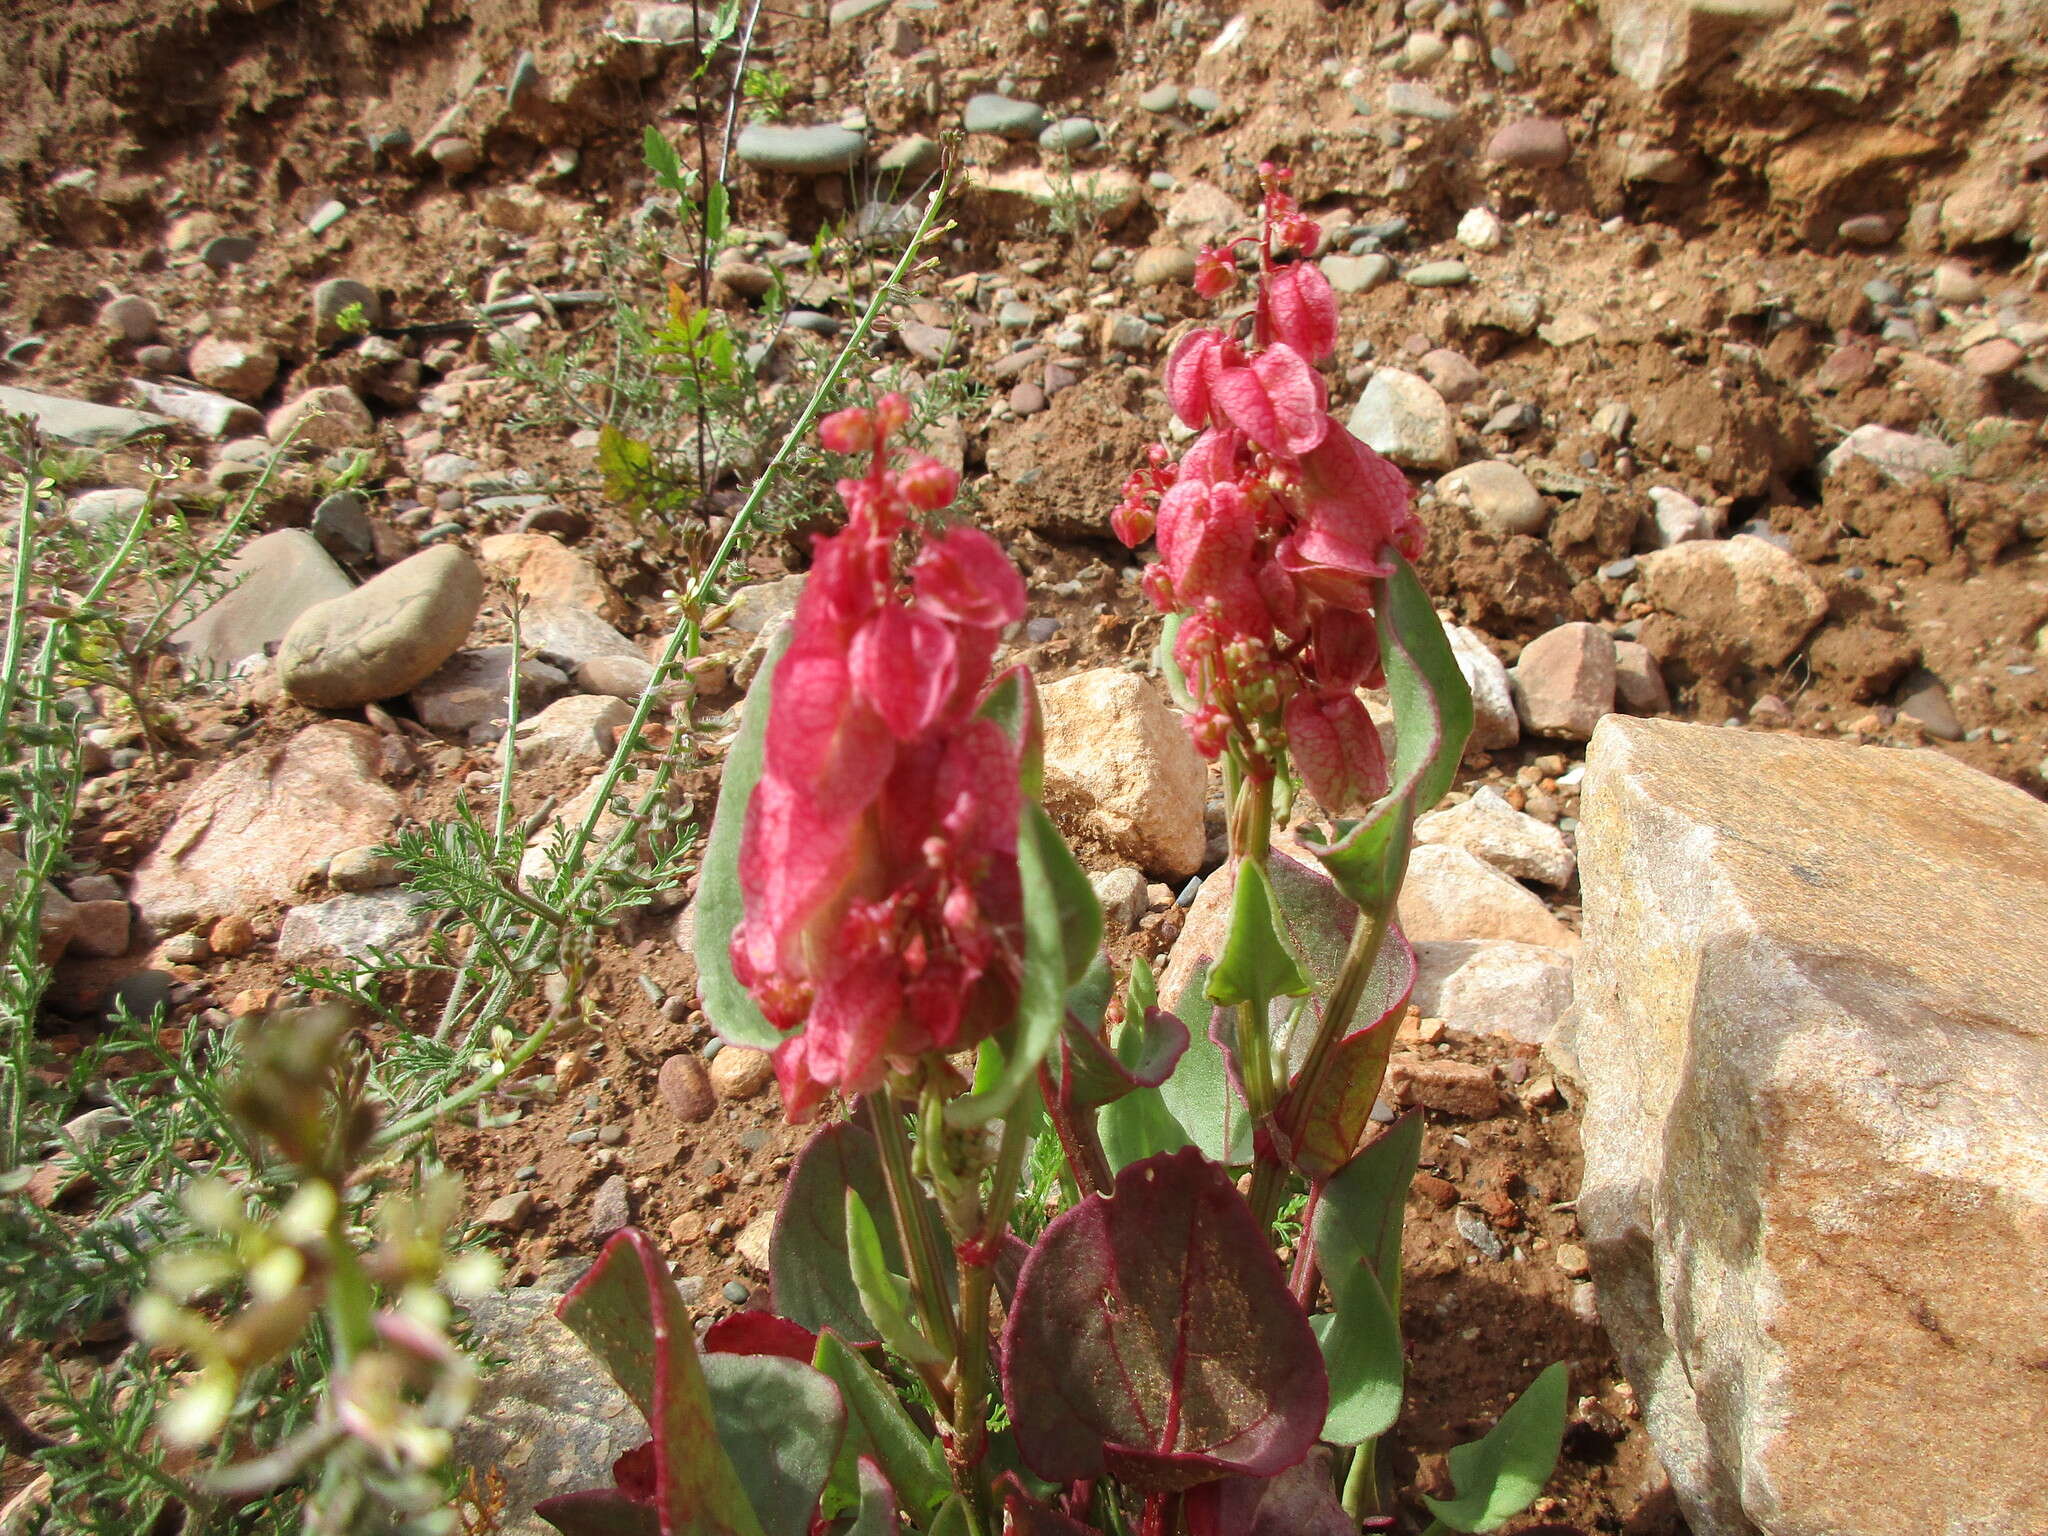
[878,863]
[1272,528]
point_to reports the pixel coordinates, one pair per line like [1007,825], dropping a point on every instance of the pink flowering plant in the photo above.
[885,906]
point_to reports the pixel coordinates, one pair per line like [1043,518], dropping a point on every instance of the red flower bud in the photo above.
[849,431]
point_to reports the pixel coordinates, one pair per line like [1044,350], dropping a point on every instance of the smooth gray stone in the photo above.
[1004,116]
[816,150]
[274,579]
[1069,134]
[80,422]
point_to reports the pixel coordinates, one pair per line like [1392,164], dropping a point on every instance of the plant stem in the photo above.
[919,1235]
[977,1281]
[1080,1143]
[1362,1483]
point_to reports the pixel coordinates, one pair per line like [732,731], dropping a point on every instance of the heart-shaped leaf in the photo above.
[1300,1501]
[877,1516]
[1154,1338]
[1358,1218]
[719,906]
[1325,1119]
[1198,1095]
[760,1333]
[1256,963]
[629,1314]
[1367,859]
[784,1422]
[1432,701]
[1361,1342]
[879,1427]
[1499,1476]
[807,1252]
[1093,1074]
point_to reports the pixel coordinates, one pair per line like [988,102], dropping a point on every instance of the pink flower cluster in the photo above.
[879,859]
[1273,527]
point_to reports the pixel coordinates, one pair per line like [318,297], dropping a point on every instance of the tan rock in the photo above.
[1494,721]
[59,912]
[740,1073]
[1121,773]
[387,636]
[752,1241]
[1511,842]
[1451,895]
[1756,598]
[331,416]
[1815,1059]
[1461,1088]
[686,1088]
[1494,987]
[243,369]
[550,573]
[581,728]
[1564,681]
[252,830]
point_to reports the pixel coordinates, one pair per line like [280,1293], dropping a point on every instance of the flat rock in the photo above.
[273,579]
[1124,898]
[1638,680]
[1494,987]
[79,422]
[352,927]
[386,637]
[209,414]
[1495,724]
[1357,274]
[581,728]
[243,369]
[1203,211]
[472,688]
[1814,1052]
[1159,265]
[549,1420]
[549,573]
[571,636]
[258,824]
[1121,773]
[817,150]
[1452,895]
[1755,597]
[1904,458]
[1513,843]
[1678,519]
[1402,416]
[1407,99]
[1106,192]
[1498,495]
[1564,681]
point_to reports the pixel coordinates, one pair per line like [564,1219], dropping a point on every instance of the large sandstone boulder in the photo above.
[1814,1045]
[253,830]
[1121,773]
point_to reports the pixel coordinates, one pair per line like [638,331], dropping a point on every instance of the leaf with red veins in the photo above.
[1347,649]
[797,865]
[1336,749]
[1276,399]
[964,577]
[1302,310]
[1154,1338]
[1189,369]
[1207,536]
[1328,1127]
[822,737]
[902,661]
[1354,504]
[1025,1516]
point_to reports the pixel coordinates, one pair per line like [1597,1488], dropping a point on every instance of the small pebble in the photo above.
[736,1292]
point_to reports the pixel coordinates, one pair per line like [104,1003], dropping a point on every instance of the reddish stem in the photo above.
[1079,1142]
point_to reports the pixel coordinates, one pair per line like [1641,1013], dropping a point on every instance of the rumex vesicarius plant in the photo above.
[885,906]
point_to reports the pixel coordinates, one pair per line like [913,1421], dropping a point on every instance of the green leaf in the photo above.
[627,465]
[1062,934]
[719,905]
[1012,702]
[1141,988]
[884,1295]
[879,1427]
[1367,859]
[1432,702]
[1358,1218]
[953,1519]
[1198,1096]
[1136,1127]
[662,160]
[1499,1475]
[1088,998]
[782,1424]
[1169,664]
[1361,1343]
[1256,965]
[629,1314]
[717,214]
[807,1263]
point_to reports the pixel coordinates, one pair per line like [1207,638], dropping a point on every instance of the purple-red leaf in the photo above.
[1300,1501]
[1025,1516]
[629,1313]
[1326,1124]
[760,1333]
[599,1512]
[1092,1074]
[1154,1338]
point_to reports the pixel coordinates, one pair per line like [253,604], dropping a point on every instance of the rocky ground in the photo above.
[1712,337]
